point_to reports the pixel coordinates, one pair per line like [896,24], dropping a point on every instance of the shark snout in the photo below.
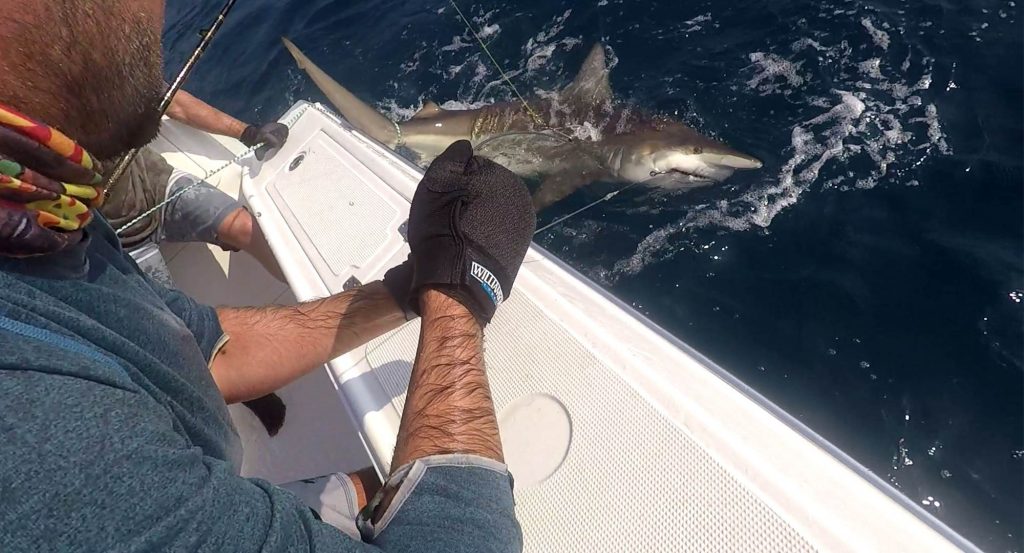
[732,160]
[708,164]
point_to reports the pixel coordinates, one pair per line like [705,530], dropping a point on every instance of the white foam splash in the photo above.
[804,43]
[454,70]
[484,18]
[489,31]
[935,135]
[552,30]
[390,109]
[587,131]
[769,68]
[880,37]
[411,65]
[458,42]
[540,56]
[883,123]
[462,61]
[482,71]
[696,23]
[457,104]
[699,19]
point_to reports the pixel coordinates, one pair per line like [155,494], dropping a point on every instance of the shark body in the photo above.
[630,147]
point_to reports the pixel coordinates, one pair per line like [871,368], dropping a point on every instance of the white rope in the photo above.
[290,123]
[399,142]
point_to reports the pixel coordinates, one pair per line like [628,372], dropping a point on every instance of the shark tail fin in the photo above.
[300,59]
[357,112]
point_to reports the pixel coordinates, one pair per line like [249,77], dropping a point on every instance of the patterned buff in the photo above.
[41,209]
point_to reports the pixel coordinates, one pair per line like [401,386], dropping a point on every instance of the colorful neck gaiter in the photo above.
[48,186]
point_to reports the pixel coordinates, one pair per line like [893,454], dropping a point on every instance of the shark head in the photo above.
[671,154]
[637,147]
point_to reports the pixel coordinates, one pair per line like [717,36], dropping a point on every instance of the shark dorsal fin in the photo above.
[429,109]
[591,86]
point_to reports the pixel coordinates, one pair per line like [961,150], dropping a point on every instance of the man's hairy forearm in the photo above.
[197,114]
[448,408]
[272,346]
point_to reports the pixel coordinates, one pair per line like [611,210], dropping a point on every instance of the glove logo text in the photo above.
[488,282]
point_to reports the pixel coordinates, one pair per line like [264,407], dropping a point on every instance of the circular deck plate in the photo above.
[536,432]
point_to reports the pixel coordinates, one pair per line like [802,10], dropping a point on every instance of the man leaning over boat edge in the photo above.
[113,387]
[199,212]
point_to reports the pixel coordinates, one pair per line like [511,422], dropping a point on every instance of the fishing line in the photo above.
[504,76]
[125,161]
[607,197]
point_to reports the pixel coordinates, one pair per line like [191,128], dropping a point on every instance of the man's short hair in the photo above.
[91,68]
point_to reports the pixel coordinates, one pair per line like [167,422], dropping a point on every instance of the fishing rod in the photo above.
[127,159]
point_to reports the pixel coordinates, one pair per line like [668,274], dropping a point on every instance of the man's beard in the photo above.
[119,101]
[98,79]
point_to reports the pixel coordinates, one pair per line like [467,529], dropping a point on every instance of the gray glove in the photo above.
[271,135]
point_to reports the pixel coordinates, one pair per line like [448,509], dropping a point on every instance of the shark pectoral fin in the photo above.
[591,85]
[558,186]
[429,109]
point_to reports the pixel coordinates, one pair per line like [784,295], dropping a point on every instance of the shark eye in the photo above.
[698,150]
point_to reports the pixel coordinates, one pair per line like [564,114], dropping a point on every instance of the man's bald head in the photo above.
[91,68]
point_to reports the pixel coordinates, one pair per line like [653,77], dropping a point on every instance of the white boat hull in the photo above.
[620,437]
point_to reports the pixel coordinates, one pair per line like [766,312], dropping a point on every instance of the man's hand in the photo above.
[271,135]
[470,226]
[197,114]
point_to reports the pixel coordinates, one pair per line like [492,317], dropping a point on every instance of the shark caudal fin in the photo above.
[357,112]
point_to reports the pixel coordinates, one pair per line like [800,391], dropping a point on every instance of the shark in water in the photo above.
[628,146]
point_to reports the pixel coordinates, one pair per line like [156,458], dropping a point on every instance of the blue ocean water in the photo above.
[869,279]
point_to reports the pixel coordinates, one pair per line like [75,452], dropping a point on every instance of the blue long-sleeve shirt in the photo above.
[113,435]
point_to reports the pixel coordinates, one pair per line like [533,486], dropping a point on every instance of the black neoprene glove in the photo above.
[470,226]
[272,135]
[398,282]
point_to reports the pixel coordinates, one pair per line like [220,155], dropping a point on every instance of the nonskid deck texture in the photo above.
[620,438]
[631,481]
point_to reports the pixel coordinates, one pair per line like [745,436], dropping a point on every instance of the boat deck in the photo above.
[307,445]
[620,437]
